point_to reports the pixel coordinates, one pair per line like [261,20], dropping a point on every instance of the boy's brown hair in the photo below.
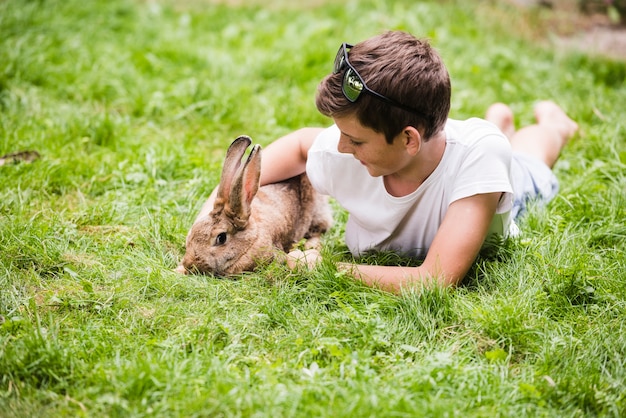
[403,68]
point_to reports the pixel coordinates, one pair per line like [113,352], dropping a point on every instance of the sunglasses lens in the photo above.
[352,85]
[340,60]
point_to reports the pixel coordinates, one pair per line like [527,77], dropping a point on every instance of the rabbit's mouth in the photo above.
[230,268]
[197,270]
[233,269]
[202,267]
[193,265]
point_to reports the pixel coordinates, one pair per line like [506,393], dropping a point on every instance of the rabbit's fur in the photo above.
[249,224]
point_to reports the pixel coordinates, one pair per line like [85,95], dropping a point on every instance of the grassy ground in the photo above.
[131,106]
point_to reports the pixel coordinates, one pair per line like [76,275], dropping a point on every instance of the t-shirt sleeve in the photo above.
[317,168]
[486,168]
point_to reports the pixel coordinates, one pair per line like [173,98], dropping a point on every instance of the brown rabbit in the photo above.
[248,224]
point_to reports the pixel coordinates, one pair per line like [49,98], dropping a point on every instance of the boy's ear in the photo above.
[412,140]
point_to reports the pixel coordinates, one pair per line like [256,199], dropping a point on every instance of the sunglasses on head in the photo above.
[353,84]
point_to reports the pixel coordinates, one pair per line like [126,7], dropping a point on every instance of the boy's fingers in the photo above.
[308,258]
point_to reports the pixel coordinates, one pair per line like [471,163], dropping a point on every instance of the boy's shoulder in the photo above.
[472,126]
[473,132]
[326,139]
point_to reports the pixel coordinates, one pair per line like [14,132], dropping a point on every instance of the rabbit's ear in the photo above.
[245,186]
[232,162]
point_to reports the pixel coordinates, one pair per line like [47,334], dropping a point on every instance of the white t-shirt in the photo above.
[476,160]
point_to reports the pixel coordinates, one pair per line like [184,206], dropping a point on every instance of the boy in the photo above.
[412,180]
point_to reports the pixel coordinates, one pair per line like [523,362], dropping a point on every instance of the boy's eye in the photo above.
[355,143]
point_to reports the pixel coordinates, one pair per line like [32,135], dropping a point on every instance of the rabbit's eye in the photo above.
[220,239]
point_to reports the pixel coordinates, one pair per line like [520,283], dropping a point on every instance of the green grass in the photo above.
[131,105]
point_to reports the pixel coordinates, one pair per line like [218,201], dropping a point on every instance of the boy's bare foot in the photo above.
[550,114]
[501,115]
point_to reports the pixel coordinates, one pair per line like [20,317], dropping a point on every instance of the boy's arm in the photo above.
[454,249]
[451,254]
[286,157]
[282,159]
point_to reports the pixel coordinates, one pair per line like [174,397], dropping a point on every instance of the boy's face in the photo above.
[370,147]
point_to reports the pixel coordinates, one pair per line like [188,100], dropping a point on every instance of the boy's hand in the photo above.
[308,258]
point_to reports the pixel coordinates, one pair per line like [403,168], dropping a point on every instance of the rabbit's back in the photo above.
[291,210]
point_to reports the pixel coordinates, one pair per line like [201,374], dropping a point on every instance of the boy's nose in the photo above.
[343,146]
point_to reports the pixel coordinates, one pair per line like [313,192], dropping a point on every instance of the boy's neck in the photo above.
[407,180]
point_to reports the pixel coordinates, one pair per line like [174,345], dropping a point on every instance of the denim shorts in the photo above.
[533,181]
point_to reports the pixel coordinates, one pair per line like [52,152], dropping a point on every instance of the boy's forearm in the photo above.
[207,207]
[286,157]
[393,278]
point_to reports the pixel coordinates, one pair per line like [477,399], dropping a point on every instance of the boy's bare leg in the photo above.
[545,139]
[502,116]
